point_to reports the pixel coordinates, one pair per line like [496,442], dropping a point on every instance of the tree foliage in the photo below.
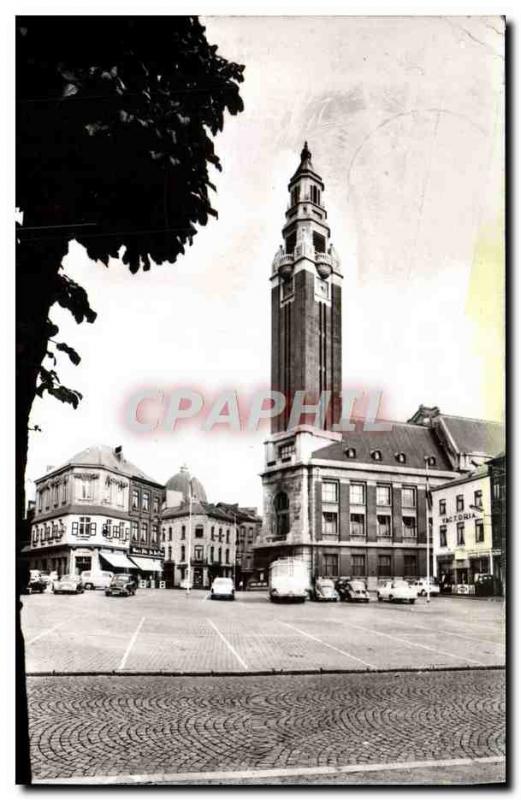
[114,123]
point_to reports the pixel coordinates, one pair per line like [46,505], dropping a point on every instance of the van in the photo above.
[96,579]
[289,580]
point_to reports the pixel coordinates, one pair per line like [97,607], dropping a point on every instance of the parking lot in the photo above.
[167,631]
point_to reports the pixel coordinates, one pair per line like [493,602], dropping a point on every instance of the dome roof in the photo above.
[184,482]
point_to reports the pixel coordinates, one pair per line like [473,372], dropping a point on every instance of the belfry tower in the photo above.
[306,301]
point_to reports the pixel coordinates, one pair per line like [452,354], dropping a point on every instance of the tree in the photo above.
[114,123]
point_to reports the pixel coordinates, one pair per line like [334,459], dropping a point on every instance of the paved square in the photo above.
[167,631]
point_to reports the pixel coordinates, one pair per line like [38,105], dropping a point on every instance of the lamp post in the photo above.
[189,570]
[427,505]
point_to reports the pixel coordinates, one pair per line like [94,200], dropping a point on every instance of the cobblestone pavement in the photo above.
[153,726]
[165,631]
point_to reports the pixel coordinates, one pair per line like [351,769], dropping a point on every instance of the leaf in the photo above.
[71,352]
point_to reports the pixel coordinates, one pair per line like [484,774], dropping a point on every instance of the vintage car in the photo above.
[352,590]
[68,584]
[324,589]
[222,589]
[121,585]
[423,584]
[37,582]
[397,591]
[96,579]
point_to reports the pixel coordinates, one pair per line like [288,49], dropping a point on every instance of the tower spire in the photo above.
[306,298]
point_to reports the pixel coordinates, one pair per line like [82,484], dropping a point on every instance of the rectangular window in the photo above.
[227,537]
[286,450]
[330,492]
[199,532]
[135,500]
[330,523]
[220,536]
[443,507]
[64,491]
[358,569]
[461,534]
[384,526]
[409,527]
[155,533]
[383,495]
[169,553]
[384,566]
[169,533]
[156,504]
[480,531]
[443,536]
[119,495]
[183,553]
[85,526]
[408,497]
[198,553]
[144,531]
[409,567]
[183,531]
[357,525]
[357,494]
[212,533]
[134,531]
[330,565]
[55,495]
[460,503]
[146,501]
[85,490]
[478,499]
[40,500]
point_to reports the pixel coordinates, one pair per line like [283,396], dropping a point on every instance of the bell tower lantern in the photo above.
[306,300]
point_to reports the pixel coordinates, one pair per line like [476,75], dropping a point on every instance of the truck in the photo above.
[289,580]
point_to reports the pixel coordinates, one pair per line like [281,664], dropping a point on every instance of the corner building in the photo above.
[352,503]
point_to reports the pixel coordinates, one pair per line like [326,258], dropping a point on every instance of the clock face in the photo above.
[323,289]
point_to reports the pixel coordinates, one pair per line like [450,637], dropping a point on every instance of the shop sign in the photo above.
[459,517]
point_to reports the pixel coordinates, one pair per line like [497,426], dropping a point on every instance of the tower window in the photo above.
[281,504]
[315,194]
[295,195]
[319,242]
[291,241]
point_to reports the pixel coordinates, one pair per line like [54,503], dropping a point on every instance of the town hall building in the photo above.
[353,503]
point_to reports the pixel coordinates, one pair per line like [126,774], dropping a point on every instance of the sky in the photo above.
[404,118]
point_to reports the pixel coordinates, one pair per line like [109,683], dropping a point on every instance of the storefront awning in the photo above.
[117,559]
[147,564]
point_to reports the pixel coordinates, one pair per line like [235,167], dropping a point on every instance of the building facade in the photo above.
[462,520]
[351,503]
[82,518]
[195,533]
[248,526]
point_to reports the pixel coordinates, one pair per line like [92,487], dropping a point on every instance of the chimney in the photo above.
[118,452]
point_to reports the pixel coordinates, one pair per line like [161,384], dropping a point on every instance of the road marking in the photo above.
[416,644]
[131,644]
[325,644]
[44,633]
[257,774]
[463,636]
[228,645]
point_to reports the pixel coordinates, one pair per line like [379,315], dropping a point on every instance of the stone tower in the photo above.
[306,301]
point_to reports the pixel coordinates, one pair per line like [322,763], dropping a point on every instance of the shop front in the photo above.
[148,570]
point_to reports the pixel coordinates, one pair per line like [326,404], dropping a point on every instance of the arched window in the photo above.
[377,455]
[281,504]
[350,452]
[401,458]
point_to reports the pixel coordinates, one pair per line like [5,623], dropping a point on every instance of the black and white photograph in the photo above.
[261,457]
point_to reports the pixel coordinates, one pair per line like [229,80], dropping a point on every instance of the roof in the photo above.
[199,508]
[187,484]
[416,441]
[475,435]
[305,166]
[481,472]
[102,455]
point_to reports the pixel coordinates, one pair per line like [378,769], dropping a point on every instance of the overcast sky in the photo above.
[404,118]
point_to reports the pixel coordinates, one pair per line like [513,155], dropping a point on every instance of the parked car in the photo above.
[68,584]
[96,579]
[486,586]
[37,582]
[397,591]
[423,584]
[222,589]
[352,590]
[122,585]
[324,589]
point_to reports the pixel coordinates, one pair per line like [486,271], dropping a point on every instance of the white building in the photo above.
[462,529]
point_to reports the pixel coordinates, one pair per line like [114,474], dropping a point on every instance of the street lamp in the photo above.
[428,503]
[189,569]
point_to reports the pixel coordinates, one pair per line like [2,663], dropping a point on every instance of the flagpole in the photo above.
[427,504]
